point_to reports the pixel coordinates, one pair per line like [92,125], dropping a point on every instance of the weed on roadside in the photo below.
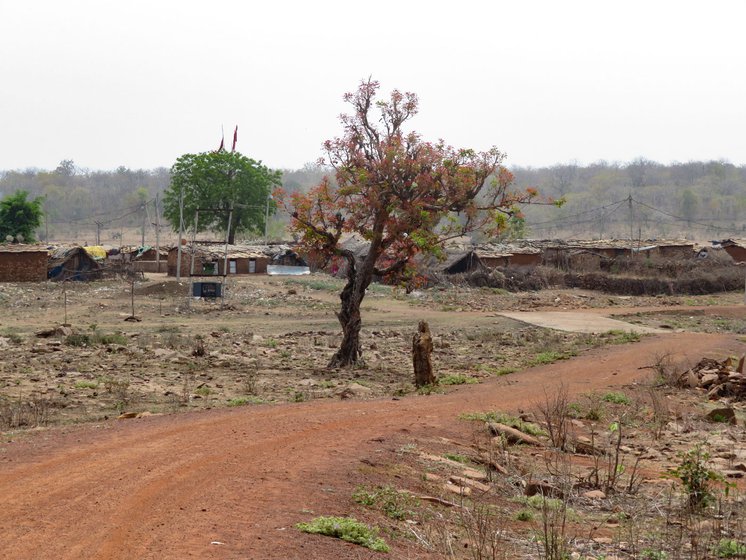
[348,529]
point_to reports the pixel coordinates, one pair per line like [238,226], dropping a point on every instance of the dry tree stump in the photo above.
[422,348]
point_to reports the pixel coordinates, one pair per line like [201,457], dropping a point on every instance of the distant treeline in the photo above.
[699,200]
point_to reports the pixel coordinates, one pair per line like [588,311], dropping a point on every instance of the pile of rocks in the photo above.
[719,379]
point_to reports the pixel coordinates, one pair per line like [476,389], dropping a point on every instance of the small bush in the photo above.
[730,548]
[348,529]
[86,385]
[696,477]
[616,398]
[525,515]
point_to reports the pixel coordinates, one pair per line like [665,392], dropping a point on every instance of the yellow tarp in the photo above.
[96,251]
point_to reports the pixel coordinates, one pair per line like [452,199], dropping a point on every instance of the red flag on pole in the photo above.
[235,139]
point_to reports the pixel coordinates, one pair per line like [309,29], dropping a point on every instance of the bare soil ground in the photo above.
[230,481]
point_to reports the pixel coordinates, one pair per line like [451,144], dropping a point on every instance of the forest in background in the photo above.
[697,200]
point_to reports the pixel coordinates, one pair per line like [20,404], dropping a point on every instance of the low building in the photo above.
[213,259]
[736,248]
[23,263]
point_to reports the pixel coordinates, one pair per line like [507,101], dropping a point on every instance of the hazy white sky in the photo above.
[140,82]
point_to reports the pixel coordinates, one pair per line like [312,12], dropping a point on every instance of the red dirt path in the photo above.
[167,487]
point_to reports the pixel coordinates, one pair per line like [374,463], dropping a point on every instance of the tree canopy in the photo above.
[220,180]
[20,217]
[402,194]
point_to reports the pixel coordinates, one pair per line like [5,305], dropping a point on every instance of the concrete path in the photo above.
[576,321]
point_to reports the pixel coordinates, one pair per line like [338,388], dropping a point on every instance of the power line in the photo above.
[681,219]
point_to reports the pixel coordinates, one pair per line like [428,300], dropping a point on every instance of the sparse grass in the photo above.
[270,343]
[457,379]
[86,385]
[396,505]
[539,502]
[456,457]
[622,337]
[616,398]
[550,356]
[241,401]
[430,390]
[203,391]
[348,529]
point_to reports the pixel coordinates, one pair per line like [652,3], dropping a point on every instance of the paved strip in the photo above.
[575,321]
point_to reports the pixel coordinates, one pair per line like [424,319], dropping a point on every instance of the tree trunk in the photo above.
[349,352]
[422,348]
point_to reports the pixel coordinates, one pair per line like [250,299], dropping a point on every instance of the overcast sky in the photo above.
[140,82]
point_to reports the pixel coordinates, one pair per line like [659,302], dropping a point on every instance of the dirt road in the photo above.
[232,483]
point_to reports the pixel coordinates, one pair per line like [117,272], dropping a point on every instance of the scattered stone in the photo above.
[127,415]
[722,415]
[456,489]
[461,481]
[594,495]
[734,473]
[542,488]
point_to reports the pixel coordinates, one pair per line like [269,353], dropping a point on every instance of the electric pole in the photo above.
[157,236]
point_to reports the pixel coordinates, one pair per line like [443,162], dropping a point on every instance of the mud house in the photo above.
[72,263]
[23,263]
[503,255]
[587,255]
[736,248]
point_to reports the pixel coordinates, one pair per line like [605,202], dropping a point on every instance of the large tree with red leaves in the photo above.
[404,195]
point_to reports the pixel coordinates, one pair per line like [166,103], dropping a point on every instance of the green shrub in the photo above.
[730,548]
[348,529]
[525,515]
[696,477]
[616,398]
[86,385]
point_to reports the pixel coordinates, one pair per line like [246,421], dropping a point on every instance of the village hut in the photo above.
[72,263]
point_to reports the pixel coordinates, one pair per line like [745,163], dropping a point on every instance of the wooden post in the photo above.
[422,348]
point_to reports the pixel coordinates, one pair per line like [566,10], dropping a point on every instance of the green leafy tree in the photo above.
[19,216]
[220,181]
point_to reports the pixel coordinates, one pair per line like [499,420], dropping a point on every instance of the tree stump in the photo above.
[422,348]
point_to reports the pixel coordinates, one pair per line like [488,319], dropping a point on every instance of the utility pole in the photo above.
[181,231]
[266,220]
[98,232]
[631,225]
[144,220]
[157,236]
